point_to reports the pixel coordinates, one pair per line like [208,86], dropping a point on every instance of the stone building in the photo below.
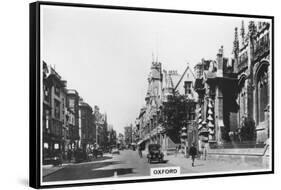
[101,128]
[234,93]
[162,86]
[86,126]
[73,117]
[216,108]
[252,57]
[54,105]
[128,135]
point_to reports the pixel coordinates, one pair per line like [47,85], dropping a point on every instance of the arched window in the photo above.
[262,91]
[242,98]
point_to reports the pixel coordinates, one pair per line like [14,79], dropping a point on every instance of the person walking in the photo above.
[140,151]
[193,153]
[69,155]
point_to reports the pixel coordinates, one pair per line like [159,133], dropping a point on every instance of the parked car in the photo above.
[115,151]
[97,153]
[154,153]
[53,158]
[80,155]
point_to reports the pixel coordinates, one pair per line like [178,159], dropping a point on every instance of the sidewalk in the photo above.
[211,165]
[49,169]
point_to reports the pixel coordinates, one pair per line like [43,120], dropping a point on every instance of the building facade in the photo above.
[163,87]
[73,117]
[54,105]
[233,93]
[86,126]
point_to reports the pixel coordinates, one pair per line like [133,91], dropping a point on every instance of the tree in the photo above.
[174,115]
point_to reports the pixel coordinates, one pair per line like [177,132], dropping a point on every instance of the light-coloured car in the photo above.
[115,151]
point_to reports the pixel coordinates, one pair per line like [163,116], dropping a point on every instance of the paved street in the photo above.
[129,164]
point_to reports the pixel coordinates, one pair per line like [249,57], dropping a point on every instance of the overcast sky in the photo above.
[106,54]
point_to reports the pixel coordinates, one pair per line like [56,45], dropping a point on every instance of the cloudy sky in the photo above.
[106,54]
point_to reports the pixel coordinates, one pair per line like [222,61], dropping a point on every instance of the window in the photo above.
[57,109]
[71,103]
[57,90]
[187,87]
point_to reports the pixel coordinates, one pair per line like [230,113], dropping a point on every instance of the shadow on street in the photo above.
[163,162]
[86,171]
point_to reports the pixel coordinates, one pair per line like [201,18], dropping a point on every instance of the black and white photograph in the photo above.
[136,94]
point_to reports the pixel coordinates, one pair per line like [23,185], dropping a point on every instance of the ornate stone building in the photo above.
[252,58]
[162,86]
[234,93]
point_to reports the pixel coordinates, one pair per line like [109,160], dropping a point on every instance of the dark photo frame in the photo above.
[119,96]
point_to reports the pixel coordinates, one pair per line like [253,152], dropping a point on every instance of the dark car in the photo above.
[97,153]
[154,153]
[52,158]
[80,155]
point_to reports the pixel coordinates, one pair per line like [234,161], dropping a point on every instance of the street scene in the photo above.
[153,99]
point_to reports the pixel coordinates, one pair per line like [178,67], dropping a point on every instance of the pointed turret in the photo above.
[242,33]
[235,50]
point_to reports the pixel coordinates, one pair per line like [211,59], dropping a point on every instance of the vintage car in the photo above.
[54,158]
[97,153]
[154,153]
[80,155]
[115,151]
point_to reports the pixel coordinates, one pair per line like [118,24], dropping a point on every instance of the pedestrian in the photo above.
[69,155]
[204,149]
[140,151]
[193,153]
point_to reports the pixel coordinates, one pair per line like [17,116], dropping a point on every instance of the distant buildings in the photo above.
[128,135]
